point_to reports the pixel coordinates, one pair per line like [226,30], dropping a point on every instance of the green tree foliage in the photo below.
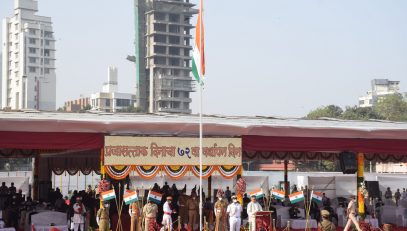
[360,113]
[331,111]
[392,107]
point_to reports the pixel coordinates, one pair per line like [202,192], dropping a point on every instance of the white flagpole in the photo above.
[200,119]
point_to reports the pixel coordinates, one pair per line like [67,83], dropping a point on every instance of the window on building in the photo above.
[32,31]
[16,45]
[47,61]
[159,49]
[187,52]
[160,38]
[16,65]
[47,52]
[31,40]
[48,34]
[159,60]
[174,39]
[47,70]
[174,17]
[47,42]
[32,50]
[159,16]
[186,41]
[160,27]
[15,36]
[107,103]
[174,28]
[174,50]
[186,62]
[16,55]
[187,31]
[32,69]
[32,60]
[174,62]
[176,94]
[122,102]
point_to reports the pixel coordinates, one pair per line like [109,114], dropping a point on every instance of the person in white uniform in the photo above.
[351,211]
[79,215]
[235,211]
[252,208]
[168,211]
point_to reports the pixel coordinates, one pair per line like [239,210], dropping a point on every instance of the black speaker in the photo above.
[348,162]
[373,188]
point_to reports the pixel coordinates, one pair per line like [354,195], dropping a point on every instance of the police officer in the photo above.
[134,212]
[235,211]
[326,224]
[351,211]
[102,217]
[220,212]
[192,205]
[150,211]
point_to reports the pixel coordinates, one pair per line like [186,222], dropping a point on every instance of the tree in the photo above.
[360,113]
[331,111]
[392,107]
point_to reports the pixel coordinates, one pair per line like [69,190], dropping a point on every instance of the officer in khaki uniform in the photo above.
[183,210]
[102,217]
[326,224]
[220,213]
[149,213]
[192,206]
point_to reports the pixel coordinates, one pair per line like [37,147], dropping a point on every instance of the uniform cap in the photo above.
[325,213]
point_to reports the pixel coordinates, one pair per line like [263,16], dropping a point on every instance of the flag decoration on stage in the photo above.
[317,197]
[278,194]
[108,195]
[296,197]
[198,54]
[155,197]
[258,193]
[130,197]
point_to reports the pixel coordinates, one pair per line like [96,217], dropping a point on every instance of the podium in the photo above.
[263,220]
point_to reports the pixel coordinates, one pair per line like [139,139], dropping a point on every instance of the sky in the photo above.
[265,57]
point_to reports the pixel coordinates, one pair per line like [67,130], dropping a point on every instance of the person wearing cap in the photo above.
[102,217]
[252,208]
[220,212]
[168,211]
[235,211]
[326,224]
[182,205]
[134,212]
[150,211]
[351,211]
[79,215]
[192,206]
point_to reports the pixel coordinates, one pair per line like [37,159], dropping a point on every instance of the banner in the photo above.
[124,150]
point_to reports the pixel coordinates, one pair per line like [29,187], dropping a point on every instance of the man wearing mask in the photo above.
[252,208]
[79,215]
[192,205]
[235,211]
[351,211]
[102,217]
[168,211]
[150,211]
[220,212]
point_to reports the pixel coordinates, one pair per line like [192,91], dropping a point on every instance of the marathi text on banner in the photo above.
[123,150]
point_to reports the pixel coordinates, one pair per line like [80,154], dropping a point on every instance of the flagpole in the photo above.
[200,115]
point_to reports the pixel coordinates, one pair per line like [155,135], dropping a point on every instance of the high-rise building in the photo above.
[379,89]
[28,80]
[163,55]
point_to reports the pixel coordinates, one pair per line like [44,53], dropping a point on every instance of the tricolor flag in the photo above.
[258,193]
[155,197]
[198,54]
[317,197]
[278,194]
[130,197]
[108,195]
[296,197]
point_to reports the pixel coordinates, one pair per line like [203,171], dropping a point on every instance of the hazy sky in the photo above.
[264,57]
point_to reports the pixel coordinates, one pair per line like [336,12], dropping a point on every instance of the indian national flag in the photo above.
[108,195]
[198,54]
[317,197]
[155,197]
[296,197]
[258,193]
[130,197]
[278,194]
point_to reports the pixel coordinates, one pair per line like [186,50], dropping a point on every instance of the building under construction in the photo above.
[163,55]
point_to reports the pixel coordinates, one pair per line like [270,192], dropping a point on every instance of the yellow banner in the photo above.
[124,150]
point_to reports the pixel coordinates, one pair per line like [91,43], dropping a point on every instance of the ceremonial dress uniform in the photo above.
[220,214]
[168,211]
[134,212]
[78,217]
[150,211]
[102,218]
[252,208]
[235,211]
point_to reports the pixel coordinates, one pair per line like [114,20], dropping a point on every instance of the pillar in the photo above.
[210,187]
[360,182]
[286,189]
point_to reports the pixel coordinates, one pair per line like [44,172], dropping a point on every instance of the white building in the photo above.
[380,88]
[28,65]
[109,99]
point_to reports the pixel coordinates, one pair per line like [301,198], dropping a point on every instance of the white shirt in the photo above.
[253,208]
[167,208]
[234,210]
[79,210]
[351,206]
